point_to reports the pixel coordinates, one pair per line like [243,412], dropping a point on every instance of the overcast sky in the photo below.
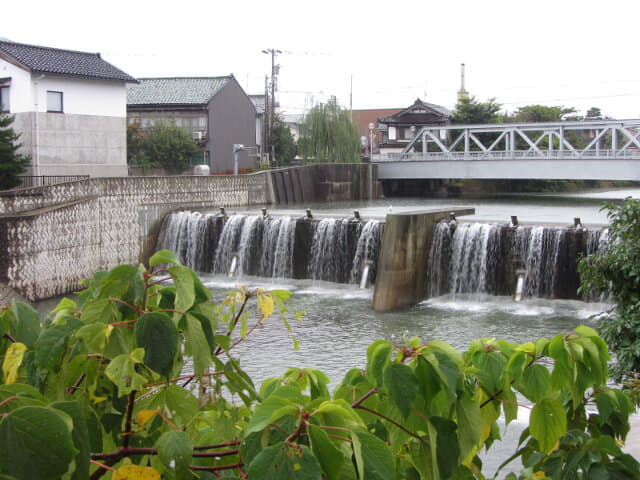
[553,52]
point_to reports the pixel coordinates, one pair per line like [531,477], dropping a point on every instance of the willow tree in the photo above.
[327,134]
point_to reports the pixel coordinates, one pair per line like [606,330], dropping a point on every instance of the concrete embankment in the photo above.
[56,236]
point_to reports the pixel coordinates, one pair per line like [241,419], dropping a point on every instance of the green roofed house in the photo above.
[215,111]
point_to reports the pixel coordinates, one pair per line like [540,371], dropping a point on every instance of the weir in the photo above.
[407,257]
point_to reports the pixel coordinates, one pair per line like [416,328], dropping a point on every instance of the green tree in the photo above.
[541,113]
[594,113]
[164,145]
[327,134]
[616,272]
[284,145]
[12,163]
[99,385]
[135,145]
[469,111]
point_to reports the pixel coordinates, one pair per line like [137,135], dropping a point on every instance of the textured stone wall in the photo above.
[52,237]
[55,236]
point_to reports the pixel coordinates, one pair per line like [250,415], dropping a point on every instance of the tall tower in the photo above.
[462,93]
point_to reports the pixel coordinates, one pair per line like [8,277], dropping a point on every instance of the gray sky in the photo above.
[562,52]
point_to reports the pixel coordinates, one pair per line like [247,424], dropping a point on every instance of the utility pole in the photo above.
[265,122]
[274,74]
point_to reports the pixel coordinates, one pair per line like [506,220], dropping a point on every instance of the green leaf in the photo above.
[79,435]
[158,335]
[284,401]
[537,382]
[330,457]
[469,424]
[175,451]
[100,311]
[185,287]
[378,357]
[163,256]
[177,404]
[197,342]
[447,446]
[547,423]
[122,372]
[402,385]
[36,443]
[94,336]
[375,455]
[51,346]
[282,462]
[28,323]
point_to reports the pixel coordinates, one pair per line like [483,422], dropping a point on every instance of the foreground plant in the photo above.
[98,389]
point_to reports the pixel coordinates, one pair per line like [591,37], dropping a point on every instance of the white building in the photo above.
[81,105]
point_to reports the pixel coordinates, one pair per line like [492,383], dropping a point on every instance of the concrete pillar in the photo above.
[402,263]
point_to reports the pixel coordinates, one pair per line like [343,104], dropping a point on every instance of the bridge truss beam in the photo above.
[606,139]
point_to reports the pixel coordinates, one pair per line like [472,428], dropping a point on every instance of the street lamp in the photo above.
[371,127]
[237,147]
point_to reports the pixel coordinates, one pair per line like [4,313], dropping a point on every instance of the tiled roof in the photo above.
[62,62]
[175,91]
[258,102]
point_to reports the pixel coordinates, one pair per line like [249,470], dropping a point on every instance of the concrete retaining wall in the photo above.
[326,183]
[57,235]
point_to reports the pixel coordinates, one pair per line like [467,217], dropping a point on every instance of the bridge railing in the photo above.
[628,154]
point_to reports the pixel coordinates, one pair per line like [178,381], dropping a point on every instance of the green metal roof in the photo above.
[175,91]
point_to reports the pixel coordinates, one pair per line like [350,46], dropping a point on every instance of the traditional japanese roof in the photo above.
[418,113]
[175,90]
[258,102]
[61,62]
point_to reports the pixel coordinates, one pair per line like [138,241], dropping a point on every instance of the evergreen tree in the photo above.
[12,163]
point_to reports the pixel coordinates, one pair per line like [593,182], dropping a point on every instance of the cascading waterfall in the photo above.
[367,251]
[264,245]
[329,250]
[188,234]
[277,247]
[474,258]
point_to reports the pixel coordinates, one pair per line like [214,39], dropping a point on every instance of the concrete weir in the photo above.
[402,266]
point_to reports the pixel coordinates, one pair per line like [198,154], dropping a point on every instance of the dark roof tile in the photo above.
[63,62]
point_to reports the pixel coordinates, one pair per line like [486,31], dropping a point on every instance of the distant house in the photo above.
[214,110]
[364,119]
[398,129]
[259,102]
[69,106]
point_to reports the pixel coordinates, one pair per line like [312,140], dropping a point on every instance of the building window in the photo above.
[54,101]
[5,106]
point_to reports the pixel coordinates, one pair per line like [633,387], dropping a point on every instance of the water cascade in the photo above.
[329,249]
[476,258]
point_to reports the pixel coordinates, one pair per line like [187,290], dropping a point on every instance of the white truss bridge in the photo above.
[587,150]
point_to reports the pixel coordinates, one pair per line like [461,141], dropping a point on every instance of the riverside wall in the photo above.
[56,236]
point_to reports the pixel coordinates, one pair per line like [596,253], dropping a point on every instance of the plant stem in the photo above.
[127,423]
[358,402]
[11,339]
[390,421]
